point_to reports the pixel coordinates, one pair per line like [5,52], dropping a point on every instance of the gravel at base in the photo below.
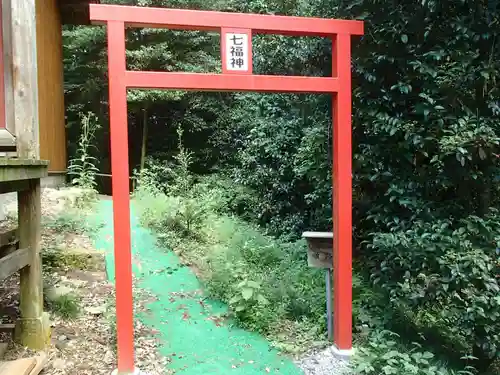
[323,362]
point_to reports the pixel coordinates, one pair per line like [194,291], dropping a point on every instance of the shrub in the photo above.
[264,281]
[384,355]
[445,275]
[164,214]
[228,197]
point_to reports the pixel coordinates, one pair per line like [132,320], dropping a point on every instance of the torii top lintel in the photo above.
[214,21]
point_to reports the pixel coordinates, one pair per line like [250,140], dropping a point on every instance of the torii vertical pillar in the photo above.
[342,195]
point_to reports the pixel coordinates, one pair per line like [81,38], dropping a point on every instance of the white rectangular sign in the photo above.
[237,52]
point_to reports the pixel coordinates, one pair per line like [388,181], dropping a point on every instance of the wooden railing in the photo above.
[12,259]
[20,248]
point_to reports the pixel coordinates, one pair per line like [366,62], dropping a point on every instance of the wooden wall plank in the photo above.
[8,66]
[50,85]
[2,70]
[25,78]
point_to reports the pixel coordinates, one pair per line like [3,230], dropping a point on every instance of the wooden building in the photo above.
[32,62]
[32,140]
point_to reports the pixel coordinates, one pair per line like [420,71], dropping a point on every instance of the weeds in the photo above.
[68,259]
[84,166]
[266,282]
[66,306]
[173,205]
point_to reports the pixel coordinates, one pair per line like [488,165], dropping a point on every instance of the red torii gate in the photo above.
[236,76]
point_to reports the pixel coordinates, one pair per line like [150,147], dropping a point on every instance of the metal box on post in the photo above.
[320,255]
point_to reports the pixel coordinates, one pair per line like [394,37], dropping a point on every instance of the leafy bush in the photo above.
[384,355]
[241,257]
[225,196]
[183,210]
[448,270]
[165,213]
[248,295]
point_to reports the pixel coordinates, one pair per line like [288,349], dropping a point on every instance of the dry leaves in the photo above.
[85,345]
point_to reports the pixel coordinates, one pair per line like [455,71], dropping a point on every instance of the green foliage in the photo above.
[66,306]
[247,296]
[164,213]
[224,196]
[280,157]
[263,279]
[446,263]
[83,167]
[179,211]
[384,355]
[85,81]
[182,177]
[426,130]
[66,259]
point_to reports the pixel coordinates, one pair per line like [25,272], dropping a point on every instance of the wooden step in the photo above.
[25,366]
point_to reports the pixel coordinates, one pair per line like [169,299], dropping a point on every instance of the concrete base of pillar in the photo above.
[345,354]
[34,333]
[136,372]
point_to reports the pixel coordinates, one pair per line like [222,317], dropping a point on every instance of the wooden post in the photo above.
[33,328]
[25,78]
[7,129]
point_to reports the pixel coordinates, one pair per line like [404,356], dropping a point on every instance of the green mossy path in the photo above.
[191,331]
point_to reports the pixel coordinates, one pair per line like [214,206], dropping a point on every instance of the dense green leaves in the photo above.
[445,263]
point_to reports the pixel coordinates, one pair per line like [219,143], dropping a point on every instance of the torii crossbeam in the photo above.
[236,33]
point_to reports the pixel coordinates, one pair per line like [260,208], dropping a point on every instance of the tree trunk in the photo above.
[144,138]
